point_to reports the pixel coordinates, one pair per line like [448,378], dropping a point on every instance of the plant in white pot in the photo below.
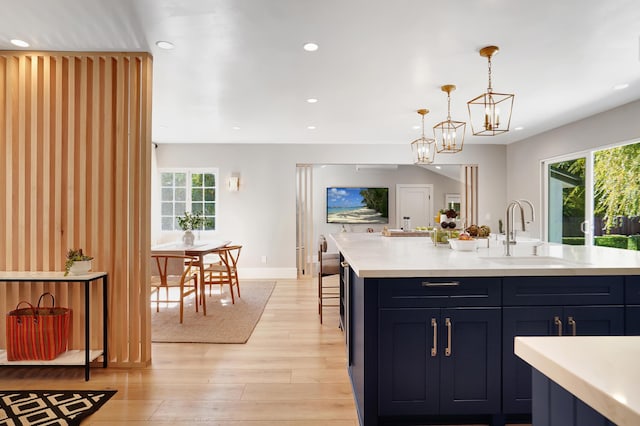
[190,222]
[77,263]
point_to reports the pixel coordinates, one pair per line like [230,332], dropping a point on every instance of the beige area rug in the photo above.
[224,323]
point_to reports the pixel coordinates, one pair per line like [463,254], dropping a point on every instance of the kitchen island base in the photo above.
[555,406]
[430,331]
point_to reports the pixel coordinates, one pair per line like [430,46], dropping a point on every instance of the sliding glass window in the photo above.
[593,198]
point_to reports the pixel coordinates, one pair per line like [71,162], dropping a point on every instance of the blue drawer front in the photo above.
[438,292]
[632,290]
[592,290]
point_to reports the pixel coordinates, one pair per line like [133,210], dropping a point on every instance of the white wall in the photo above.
[524,179]
[262,214]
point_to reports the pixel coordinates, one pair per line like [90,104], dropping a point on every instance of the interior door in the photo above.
[416,202]
[568,209]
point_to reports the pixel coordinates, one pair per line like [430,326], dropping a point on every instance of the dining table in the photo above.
[198,250]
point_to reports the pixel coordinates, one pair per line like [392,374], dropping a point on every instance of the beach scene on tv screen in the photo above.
[357,205]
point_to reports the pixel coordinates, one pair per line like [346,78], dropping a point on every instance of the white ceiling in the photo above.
[240,63]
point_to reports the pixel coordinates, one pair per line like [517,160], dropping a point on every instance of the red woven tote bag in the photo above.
[37,333]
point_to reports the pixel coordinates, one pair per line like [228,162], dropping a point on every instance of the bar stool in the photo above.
[328,264]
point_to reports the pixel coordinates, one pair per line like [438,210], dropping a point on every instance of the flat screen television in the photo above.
[357,205]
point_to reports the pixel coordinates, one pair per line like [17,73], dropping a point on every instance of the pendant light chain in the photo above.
[489,89]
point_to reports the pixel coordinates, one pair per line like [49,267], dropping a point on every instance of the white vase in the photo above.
[188,238]
[80,267]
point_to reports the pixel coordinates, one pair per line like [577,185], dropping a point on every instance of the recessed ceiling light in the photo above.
[19,43]
[519,128]
[438,167]
[311,127]
[416,127]
[236,128]
[166,45]
[620,86]
[312,100]
[310,47]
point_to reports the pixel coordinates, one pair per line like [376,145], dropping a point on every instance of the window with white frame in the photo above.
[185,190]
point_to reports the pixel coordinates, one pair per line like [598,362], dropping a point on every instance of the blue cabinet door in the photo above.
[541,321]
[594,320]
[408,370]
[632,326]
[516,374]
[439,361]
[470,370]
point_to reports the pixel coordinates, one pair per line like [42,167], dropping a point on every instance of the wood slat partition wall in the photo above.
[75,159]
[304,220]
[470,179]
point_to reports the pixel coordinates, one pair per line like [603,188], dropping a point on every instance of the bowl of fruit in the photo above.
[464,242]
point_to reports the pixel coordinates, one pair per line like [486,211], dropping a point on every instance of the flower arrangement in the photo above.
[189,221]
[74,255]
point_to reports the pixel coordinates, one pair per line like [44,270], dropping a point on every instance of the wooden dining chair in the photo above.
[174,271]
[225,271]
[328,293]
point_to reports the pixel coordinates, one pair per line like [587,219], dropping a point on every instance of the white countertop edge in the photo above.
[489,272]
[532,350]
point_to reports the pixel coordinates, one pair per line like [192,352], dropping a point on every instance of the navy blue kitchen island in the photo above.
[430,331]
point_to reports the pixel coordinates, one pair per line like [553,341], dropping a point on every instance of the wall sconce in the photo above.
[233,183]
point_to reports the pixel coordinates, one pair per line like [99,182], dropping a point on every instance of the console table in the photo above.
[71,357]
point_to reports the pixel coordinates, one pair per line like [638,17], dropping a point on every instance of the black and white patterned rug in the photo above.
[50,408]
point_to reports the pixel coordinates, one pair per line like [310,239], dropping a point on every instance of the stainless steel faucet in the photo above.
[533,213]
[510,232]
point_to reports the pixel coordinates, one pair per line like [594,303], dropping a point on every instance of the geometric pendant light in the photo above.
[423,148]
[490,113]
[449,134]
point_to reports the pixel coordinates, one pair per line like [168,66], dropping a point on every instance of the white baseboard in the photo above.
[267,273]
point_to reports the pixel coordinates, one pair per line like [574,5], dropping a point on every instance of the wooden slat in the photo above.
[5,162]
[75,134]
[45,189]
[470,204]
[145,225]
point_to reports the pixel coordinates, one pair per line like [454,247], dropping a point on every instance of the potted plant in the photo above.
[188,223]
[77,262]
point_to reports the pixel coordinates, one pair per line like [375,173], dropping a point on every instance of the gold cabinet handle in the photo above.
[557,322]
[447,350]
[344,264]
[573,325]
[434,348]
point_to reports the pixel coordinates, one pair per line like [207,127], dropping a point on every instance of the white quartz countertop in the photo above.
[376,256]
[602,371]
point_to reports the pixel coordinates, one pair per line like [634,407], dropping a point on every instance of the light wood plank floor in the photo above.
[291,372]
